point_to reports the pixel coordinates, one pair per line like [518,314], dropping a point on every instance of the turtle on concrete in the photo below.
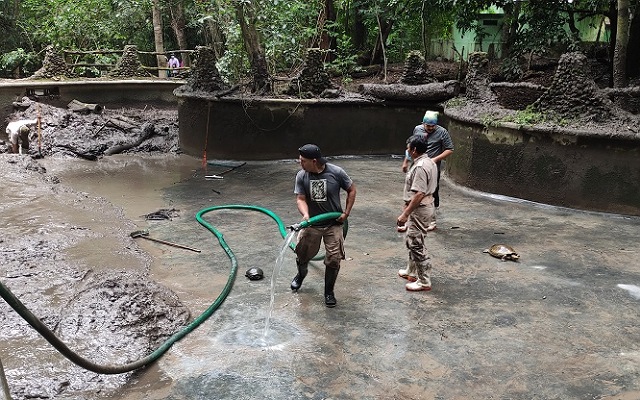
[254,274]
[503,252]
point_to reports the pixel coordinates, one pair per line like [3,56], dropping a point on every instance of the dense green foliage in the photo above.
[286,28]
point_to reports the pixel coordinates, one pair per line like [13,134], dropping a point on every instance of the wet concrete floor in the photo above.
[562,323]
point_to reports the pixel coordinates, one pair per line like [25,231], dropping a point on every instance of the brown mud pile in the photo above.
[109,312]
[92,135]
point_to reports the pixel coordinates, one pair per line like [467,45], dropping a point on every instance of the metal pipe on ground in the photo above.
[145,235]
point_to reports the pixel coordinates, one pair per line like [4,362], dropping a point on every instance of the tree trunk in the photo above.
[571,21]
[9,14]
[157,36]
[613,17]
[428,92]
[358,33]
[382,47]
[261,80]
[385,26]
[215,36]
[425,33]
[509,28]
[622,40]
[178,24]
[327,42]
[633,49]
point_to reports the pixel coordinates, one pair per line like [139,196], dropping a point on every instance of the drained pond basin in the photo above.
[557,324]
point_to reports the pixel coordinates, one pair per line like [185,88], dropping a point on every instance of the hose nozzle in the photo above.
[314,220]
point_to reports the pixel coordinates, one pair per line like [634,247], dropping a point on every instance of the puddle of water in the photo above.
[134,185]
[101,255]
[633,290]
[131,183]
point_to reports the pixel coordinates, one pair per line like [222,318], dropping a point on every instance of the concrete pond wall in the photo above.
[574,169]
[267,129]
[565,168]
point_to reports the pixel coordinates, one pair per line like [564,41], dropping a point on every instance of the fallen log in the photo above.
[84,108]
[122,123]
[438,91]
[631,91]
[148,130]
[91,154]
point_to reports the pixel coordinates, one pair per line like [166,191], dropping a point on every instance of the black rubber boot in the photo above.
[302,273]
[330,276]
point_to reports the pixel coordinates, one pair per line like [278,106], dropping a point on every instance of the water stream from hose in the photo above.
[274,277]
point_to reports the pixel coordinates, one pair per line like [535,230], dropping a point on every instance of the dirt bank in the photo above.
[89,135]
[109,312]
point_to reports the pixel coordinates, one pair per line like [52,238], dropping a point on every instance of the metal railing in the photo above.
[148,59]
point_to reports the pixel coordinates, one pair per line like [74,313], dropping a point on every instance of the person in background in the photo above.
[173,63]
[440,146]
[419,185]
[18,132]
[317,189]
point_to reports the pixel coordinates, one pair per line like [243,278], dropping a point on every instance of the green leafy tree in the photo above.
[353,31]
[248,17]
[18,63]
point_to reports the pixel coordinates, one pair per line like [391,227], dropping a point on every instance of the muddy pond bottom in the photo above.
[559,323]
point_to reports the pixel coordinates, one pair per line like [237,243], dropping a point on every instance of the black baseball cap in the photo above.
[311,151]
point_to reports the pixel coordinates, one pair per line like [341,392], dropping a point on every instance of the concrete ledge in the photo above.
[590,170]
[115,93]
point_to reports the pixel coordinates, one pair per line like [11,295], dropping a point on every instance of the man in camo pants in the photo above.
[420,183]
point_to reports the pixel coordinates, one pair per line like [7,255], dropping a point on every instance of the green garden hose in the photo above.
[6,394]
[41,328]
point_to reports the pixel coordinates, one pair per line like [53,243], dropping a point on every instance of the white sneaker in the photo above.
[417,286]
[404,273]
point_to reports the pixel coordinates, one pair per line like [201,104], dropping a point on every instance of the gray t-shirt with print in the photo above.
[322,190]
[437,142]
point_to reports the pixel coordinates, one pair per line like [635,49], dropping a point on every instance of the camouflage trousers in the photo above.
[419,260]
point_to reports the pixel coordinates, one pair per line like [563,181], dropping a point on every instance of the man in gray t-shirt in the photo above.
[317,190]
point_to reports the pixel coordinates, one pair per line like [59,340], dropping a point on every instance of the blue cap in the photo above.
[430,118]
